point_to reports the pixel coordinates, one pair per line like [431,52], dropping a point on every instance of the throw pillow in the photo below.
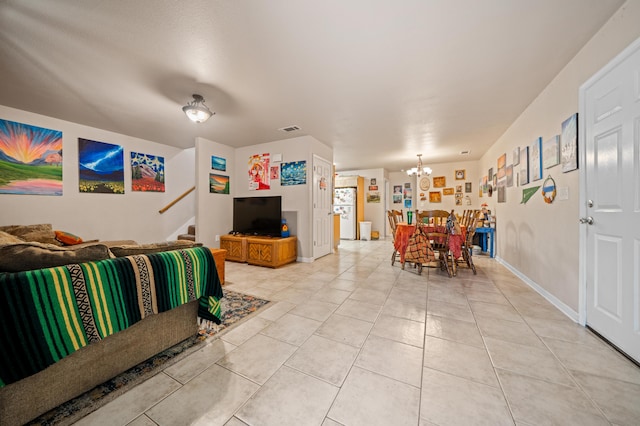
[6,238]
[30,256]
[67,238]
[130,250]
[41,233]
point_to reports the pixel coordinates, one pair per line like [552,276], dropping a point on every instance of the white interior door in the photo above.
[322,211]
[610,120]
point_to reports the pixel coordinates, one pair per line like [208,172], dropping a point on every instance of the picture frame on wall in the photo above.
[435,197]
[439,182]
[551,152]
[460,174]
[524,166]
[468,187]
[516,156]
[447,191]
[535,160]
[569,144]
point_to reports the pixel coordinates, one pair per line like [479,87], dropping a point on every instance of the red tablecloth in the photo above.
[404,232]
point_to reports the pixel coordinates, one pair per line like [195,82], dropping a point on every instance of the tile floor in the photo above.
[352,340]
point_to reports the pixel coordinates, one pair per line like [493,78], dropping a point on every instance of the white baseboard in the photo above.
[304,259]
[562,307]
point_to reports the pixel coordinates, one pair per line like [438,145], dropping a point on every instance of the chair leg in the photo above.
[393,257]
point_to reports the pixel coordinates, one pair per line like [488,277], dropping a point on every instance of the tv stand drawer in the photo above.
[272,252]
[235,246]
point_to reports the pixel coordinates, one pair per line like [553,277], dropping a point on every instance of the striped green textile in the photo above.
[47,314]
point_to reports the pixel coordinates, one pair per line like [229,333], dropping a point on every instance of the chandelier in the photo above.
[419,170]
[196,110]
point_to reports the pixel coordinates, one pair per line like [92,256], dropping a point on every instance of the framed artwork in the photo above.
[535,160]
[467,187]
[218,163]
[502,164]
[458,201]
[490,174]
[101,167]
[147,173]
[524,165]
[397,189]
[294,173]
[258,171]
[373,181]
[373,197]
[460,174]
[218,184]
[407,203]
[551,152]
[485,182]
[481,186]
[397,198]
[275,172]
[30,160]
[458,188]
[439,182]
[435,197]
[516,156]
[569,144]
[509,175]
[447,191]
[373,187]
[458,195]
[502,190]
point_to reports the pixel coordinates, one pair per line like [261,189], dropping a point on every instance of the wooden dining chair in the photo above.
[434,217]
[467,245]
[439,242]
[395,217]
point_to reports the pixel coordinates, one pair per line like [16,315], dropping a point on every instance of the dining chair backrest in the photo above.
[468,216]
[434,217]
[395,217]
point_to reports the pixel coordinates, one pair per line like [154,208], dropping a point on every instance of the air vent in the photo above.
[464,152]
[292,128]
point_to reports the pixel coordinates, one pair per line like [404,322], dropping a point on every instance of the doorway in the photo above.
[322,194]
[609,134]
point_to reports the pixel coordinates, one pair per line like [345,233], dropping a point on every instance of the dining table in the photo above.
[404,231]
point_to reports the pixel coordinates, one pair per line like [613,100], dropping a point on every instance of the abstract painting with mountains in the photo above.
[30,159]
[101,167]
[147,172]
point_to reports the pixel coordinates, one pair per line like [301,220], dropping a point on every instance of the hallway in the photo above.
[352,340]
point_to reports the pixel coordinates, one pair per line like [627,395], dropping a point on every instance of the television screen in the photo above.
[257,215]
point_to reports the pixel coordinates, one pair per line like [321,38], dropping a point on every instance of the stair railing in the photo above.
[171,204]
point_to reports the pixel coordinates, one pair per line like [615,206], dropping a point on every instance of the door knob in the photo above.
[587,220]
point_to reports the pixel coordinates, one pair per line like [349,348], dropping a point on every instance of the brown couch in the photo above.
[98,362]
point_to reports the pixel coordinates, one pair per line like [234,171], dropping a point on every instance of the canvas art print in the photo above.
[147,173]
[569,144]
[535,160]
[294,173]
[101,167]
[275,173]
[258,169]
[524,165]
[551,152]
[30,159]
[218,184]
[502,164]
[218,163]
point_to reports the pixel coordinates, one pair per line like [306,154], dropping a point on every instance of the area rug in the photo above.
[236,308]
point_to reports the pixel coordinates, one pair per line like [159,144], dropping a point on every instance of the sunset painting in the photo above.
[30,159]
[218,184]
[147,173]
[101,167]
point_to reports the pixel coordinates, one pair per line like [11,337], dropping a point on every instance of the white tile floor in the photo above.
[352,340]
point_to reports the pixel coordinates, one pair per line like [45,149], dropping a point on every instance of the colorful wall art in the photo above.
[218,163]
[101,167]
[258,169]
[30,159]
[218,184]
[147,173]
[569,144]
[294,173]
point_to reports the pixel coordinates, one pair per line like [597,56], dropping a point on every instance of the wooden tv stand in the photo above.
[264,251]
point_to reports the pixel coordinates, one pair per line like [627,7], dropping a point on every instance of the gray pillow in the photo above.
[30,256]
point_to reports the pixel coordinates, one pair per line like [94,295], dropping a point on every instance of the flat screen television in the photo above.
[257,215]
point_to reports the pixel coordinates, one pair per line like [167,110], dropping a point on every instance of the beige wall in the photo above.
[537,240]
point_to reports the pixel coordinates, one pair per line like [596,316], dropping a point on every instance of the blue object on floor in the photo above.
[486,234]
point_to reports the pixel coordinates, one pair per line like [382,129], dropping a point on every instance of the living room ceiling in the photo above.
[379,81]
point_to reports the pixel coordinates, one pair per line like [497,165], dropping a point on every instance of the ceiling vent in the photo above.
[292,128]
[464,152]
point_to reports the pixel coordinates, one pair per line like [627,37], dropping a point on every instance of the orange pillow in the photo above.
[67,238]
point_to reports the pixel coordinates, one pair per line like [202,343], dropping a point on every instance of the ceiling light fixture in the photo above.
[197,111]
[419,170]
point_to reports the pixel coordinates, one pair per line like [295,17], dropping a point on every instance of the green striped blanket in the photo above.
[47,314]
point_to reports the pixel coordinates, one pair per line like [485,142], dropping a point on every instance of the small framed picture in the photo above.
[460,174]
[467,187]
[373,181]
[458,188]
[439,182]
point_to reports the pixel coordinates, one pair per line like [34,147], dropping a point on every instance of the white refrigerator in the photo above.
[344,204]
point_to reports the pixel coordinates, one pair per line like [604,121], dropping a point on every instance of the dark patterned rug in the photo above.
[236,307]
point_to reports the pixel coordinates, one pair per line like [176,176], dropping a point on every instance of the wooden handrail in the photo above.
[171,204]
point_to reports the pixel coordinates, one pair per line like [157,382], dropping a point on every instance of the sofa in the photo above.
[91,310]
